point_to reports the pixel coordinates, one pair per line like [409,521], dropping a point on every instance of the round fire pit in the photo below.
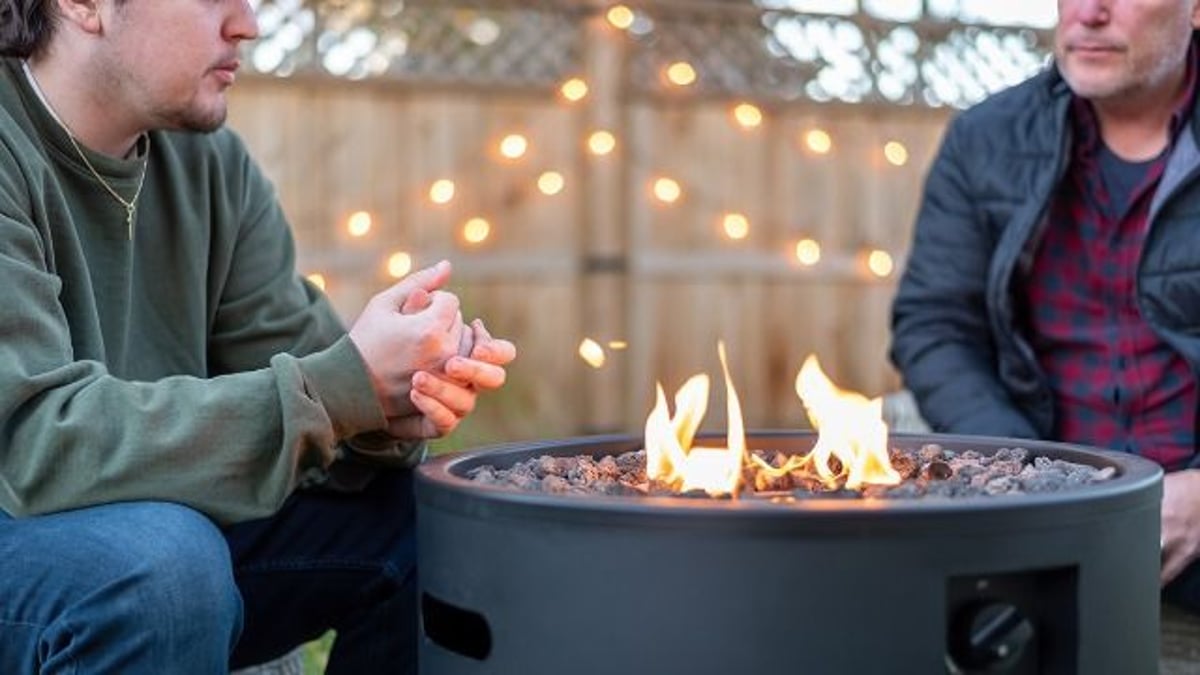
[527,582]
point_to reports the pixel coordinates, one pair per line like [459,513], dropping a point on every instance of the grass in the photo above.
[316,654]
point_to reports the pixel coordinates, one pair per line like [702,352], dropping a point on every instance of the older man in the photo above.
[1053,289]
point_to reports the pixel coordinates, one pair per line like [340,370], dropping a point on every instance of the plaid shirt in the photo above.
[1116,383]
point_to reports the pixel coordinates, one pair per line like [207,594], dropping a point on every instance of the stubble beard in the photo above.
[1130,81]
[205,122]
[197,118]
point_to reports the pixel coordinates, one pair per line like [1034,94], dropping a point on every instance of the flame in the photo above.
[850,429]
[670,457]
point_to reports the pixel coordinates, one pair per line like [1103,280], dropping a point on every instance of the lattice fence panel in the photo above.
[741,50]
[488,43]
[736,48]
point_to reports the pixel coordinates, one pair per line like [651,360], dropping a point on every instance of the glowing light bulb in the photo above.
[574,89]
[808,252]
[681,73]
[551,183]
[442,191]
[399,265]
[880,263]
[667,190]
[736,226]
[748,115]
[819,141]
[592,353]
[514,146]
[620,17]
[359,224]
[895,153]
[601,143]
[317,280]
[476,231]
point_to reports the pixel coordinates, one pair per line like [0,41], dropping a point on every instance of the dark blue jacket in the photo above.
[954,333]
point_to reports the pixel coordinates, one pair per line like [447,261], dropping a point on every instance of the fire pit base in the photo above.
[531,583]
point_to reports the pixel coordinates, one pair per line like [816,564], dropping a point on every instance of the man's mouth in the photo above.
[226,71]
[1093,48]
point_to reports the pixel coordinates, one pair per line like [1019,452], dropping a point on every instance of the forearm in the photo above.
[230,446]
[957,391]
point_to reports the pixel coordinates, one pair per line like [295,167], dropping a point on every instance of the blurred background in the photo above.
[621,186]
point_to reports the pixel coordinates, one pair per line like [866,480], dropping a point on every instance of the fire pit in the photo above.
[518,582]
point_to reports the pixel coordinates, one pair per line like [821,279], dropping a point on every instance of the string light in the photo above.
[818,141]
[895,153]
[551,183]
[483,31]
[592,353]
[667,190]
[681,73]
[621,17]
[808,252]
[442,191]
[476,231]
[747,115]
[574,89]
[602,143]
[736,226]
[514,146]
[618,345]
[399,265]
[359,224]
[880,263]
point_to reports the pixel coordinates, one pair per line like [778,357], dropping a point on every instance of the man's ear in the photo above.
[82,13]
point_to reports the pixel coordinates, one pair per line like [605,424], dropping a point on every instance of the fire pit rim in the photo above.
[444,473]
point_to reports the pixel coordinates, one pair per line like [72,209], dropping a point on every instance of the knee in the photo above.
[177,568]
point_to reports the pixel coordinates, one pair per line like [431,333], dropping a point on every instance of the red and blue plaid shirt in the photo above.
[1116,383]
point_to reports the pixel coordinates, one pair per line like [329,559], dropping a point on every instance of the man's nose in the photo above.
[243,24]
[1093,12]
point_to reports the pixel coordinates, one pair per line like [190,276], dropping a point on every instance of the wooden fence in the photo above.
[655,285]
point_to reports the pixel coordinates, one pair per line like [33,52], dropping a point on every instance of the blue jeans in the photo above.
[151,587]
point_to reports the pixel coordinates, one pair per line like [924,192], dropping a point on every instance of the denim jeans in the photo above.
[156,588]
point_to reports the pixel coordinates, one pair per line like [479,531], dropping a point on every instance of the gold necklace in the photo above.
[130,204]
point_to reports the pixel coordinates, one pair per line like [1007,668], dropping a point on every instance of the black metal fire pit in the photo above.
[524,583]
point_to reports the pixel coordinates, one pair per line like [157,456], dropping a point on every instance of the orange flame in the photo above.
[850,429]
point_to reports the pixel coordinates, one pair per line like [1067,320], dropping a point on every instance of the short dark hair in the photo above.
[25,26]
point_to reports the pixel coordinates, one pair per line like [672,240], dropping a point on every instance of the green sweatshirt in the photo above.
[190,364]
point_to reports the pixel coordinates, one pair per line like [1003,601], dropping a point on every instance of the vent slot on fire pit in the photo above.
[456,629]
[1017,623]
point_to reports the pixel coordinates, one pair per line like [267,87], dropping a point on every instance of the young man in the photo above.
[167,378]
[1053,289]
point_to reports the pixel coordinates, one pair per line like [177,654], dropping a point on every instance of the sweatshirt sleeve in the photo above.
[285,386]
[941,339]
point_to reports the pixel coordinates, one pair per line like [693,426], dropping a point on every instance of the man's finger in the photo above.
[457,397]
[495,351]
[416,301]
[444,307]
[476,373]
[438,420]
[428,279]
[1173,564]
